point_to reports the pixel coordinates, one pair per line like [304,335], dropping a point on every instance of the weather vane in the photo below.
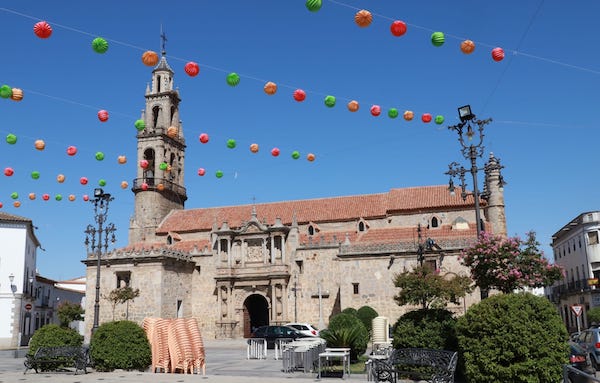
[163,39]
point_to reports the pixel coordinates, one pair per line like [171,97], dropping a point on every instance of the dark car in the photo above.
[579,359]
[272,333]
[589,339]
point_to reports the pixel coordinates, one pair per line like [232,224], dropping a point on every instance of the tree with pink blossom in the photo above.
[509,264]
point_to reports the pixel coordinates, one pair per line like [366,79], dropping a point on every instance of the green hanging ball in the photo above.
[5,91]
[437,39]
[439,119]
[14,195]
[35,174]
[219,174]
[393,113]
[231,143]
[330,101]
[314,5]
[233,79]
[140,125]
[99,45]
[295,154]
[11,139]
[102,182]
[58,197]
[163,166]
[99,156]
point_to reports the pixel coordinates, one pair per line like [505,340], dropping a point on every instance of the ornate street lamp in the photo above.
[472,151]
[93,246]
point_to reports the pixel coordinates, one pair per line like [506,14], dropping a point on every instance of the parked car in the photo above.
[273,333]
[590,341]
[304,328]
[579,359]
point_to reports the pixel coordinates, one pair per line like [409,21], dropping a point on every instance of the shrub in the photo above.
[426,328]
[366,315]
[349,310]
[52,335]
[593,315]
[120,345]
[69,312]
[513,338]
[346,330]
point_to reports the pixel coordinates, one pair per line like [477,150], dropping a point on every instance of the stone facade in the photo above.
[237,267]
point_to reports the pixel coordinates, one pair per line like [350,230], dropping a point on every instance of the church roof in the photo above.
[330,209]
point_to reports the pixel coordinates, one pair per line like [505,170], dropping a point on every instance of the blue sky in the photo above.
[542,98]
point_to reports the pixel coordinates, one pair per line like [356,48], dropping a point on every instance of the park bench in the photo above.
[431,365]
[57,358]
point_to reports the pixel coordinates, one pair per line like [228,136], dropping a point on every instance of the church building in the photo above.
[235,268]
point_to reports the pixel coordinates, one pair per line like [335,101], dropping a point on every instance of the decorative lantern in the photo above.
[83,180]
[330,101]
[42,29]
[375,110]
[71,150]
[398,28]
[9,172]
[192,69]
[17,94]
[144,164]
[295,154]
[99,156]
[60,178]
[393,113]
[11,139]
[231,143]
[408,115]
[299,95]
[103,115]
[140,125]
[467,47]
[363,18]
[201,172]
[233,79]
[172,131]
[203,138]
[122,160]
[150,58]
[45,197]
[439,119]
[254,148]
[313,5]
[437,39]
[426,118]
[71,197]
[17,204]
[160,187]
[99,45]
[275,152]
[32,196]
[5,91]
[124,184]
[144,186]
[40,144]
[270,88]
[35,175]
[310,157]
[219,173]
[353,106]
[498,54]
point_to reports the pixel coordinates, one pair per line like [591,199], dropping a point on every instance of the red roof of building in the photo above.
[430,198]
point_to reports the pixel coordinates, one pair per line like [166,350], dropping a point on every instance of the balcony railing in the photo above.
[159,184]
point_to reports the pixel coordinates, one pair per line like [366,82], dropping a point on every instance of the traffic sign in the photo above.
[28,306]
[577,309]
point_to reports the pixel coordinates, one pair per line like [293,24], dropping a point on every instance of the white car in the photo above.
[304,328]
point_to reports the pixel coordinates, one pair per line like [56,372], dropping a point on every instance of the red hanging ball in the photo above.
[398,28]
[42,29]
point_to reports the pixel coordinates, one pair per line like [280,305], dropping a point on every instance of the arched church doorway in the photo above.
[256,313]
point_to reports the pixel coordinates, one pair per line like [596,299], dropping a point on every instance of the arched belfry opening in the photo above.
[256,313]
[149,173]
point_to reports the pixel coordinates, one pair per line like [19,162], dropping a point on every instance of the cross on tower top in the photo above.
[163,39]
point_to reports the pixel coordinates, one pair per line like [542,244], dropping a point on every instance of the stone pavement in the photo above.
[226,362]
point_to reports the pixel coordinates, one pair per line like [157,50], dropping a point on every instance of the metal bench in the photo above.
[56,358]
[416,364]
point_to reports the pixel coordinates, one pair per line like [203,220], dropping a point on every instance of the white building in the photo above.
[17,274]
[576,248]
[28,301]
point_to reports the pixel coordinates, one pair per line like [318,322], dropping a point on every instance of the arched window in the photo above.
[158,84]
[149,171]
[435,222]
[155,113]
[361,226]
[169,240]
[311,230]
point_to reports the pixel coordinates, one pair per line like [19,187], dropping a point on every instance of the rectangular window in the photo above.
[300,265]
[123,278]
[355,288]
[592,237]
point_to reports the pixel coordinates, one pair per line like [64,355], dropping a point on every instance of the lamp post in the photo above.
[471,151]
[100,201]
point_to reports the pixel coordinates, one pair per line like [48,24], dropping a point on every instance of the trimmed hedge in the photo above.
[516,338]
[366,314]
[120,345]
[426,328]
[53,335]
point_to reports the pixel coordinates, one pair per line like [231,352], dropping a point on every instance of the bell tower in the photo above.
[158,186]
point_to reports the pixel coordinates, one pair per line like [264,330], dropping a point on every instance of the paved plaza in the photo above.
[226,362]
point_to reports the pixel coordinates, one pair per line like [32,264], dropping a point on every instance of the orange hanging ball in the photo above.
[310,157]
[363,18]
[16,204]
[124,184]
[17,94]
[270,88]
[254,148]
[353,106]
[40,144]
[467,47]
[150,58]
[172,131]
[408,115]
[71,197]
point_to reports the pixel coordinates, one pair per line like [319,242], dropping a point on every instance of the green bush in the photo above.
[120,345]
[366,315]
[593,316]
[513,338]
[346,330]
[426,328]
[53,335]
[350,310]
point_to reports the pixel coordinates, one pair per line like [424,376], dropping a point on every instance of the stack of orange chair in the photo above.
[157,332]
[197,345]
[180,349]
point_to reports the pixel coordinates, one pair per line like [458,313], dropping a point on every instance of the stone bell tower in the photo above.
[158,186]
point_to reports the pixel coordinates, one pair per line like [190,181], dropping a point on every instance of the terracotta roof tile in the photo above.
[316,210]
[12,217]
